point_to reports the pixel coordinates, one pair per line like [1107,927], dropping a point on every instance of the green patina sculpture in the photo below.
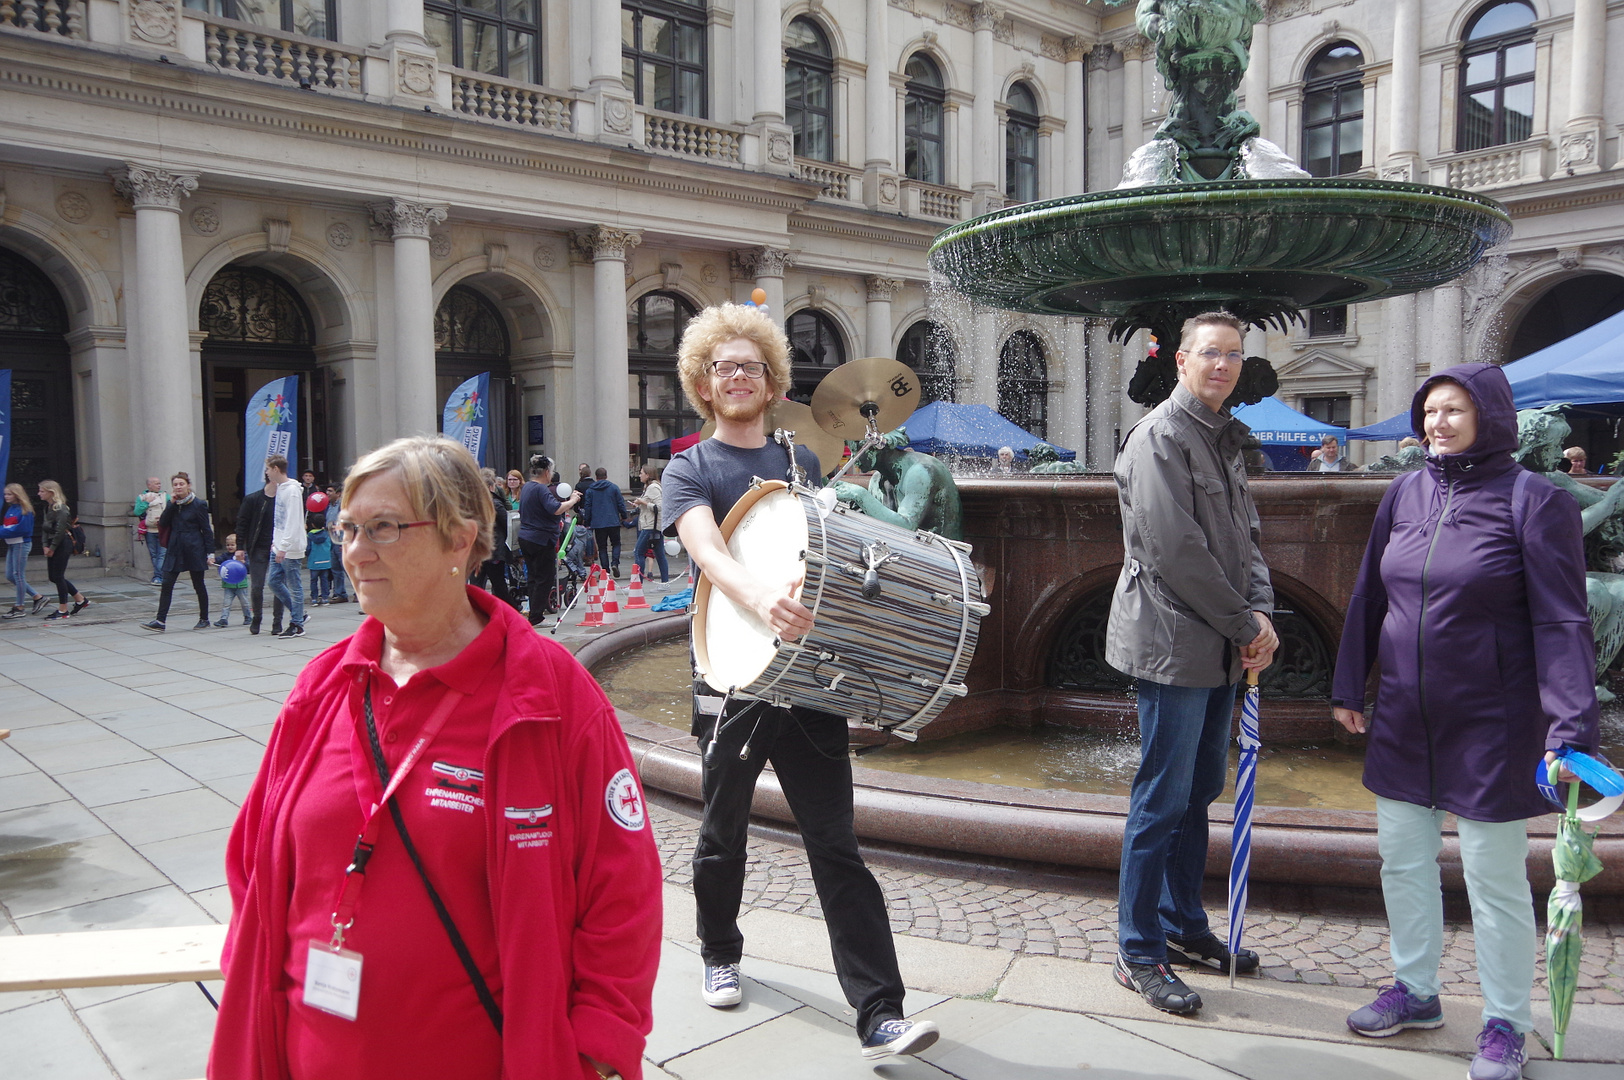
[1044,460]
[1541,434]
[1202,53]
[908,489]
[1408,459]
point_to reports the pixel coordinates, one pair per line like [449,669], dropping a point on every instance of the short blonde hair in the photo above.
[442,484]
[57,499]
[715,327]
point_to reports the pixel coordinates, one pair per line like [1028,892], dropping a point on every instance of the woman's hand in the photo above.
[48,552]
[1563,776]
[1348,718]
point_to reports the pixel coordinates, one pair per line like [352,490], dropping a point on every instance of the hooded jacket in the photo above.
[604,506]
[1476,611]
[576,916]
[288,537]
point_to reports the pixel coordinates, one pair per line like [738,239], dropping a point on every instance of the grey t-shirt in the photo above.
[712,473]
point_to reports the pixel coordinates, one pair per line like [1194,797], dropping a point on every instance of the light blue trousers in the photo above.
[17,568]
[1494,855]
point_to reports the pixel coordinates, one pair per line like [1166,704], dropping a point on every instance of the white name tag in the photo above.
[333,980]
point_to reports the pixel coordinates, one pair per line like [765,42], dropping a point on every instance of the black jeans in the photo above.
[608,542]
[492,576]
[540,561]
[167,593]
[56,568]
[808,753]
[259,564]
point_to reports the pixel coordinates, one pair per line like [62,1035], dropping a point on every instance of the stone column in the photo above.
[1398,356]
[777,140]
[1104,170]
[1074,177]
[986,191]
[1580,148]
[416,404]
[984,358]
[1448,335]
[877,342]
[612,113]
[881,190]
[1256,86]
[1133,94]
[172,387]
[766,265]
[605,372]
[1404,103]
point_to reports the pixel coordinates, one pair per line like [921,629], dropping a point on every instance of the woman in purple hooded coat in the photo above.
[1472,597]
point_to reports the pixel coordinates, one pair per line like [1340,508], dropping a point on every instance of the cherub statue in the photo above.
[908,489]
[1541,434]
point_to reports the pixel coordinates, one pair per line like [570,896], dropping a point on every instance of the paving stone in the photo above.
[76,872]
[163,817]
[682,1020]
[44,1042]
[193,862]
[801,1045]
[161,1032]
[165,905]
[122,783]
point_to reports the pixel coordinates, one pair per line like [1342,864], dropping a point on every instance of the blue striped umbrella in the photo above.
[1240,853]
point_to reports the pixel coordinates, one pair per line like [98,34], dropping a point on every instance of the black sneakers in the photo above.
[293,630]
[1157,984]
[1208,951]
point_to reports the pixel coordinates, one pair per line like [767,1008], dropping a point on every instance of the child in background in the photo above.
[227,553]
[321,565]
[234,580]
[341,581]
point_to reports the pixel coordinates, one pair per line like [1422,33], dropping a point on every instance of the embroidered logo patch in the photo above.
[625,801]
[461,777]
[531,817]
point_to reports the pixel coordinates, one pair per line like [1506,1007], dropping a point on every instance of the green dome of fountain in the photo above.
[1265,245]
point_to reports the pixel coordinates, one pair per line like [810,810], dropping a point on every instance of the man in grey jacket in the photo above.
[1189,616]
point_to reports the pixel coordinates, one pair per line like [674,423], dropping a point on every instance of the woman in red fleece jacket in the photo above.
[500,914]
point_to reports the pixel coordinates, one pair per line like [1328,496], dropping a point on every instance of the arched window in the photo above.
[814,348]
[809,78]
[928,349]
[312,18]
[1021,145]
[493,37]
[467,325]
[1497,77]
[1334,111]
[923,127]
[662,54]
[654,325]
[1023,383]
[247,305]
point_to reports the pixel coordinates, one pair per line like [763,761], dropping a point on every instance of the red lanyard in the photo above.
[349,899]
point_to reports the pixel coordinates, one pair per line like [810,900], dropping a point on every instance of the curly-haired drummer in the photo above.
[734,362]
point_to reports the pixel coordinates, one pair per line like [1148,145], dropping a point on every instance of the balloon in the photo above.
[673,548]
[565,491]
[758,296]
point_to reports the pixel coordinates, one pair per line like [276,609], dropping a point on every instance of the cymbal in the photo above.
[793,416]
[888,386]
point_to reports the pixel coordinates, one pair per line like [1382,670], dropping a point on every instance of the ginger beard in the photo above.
[725,400]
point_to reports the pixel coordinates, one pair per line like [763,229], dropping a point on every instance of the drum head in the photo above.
[734,646]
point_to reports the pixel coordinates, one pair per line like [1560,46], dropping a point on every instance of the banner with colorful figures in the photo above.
[466,414]
[270,427]
[5,422]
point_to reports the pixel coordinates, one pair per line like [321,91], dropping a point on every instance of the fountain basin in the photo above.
[1272,243]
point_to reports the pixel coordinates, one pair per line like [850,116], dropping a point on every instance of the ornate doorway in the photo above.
[470,338]
[33,320]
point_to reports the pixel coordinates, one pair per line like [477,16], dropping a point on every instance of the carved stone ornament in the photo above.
[417,74]
[671,274]
[605,242]
[1077,48]
[1570,258]
[1483,285]
[1276,10]
[765,261]
[1397,173]
[340,236]
[1100,56]
[440,246]
[709,274]
[150,188]
[1134,48]
[1052,47]
[888,190]
[496,256]
[278,234]
[617,115]
[987,16]
[817,296]
[779,149]
[1578,148]
[407,219]
[959,15]
[73,206]
[155,21]
[883,288]
[205,220]
[906,5]
[544,257]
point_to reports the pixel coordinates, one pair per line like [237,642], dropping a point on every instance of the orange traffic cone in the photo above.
[593,616]
[611,605]
[634,594]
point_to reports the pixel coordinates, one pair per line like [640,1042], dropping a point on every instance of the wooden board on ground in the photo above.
[111,957]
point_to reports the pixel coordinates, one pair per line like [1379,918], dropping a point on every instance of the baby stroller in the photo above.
[577,556]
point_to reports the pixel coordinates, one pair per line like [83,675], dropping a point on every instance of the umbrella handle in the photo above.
[1251,677]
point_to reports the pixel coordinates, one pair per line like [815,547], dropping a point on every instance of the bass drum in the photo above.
[896,613]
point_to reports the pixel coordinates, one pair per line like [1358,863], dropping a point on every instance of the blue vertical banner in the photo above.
[5,423]
[270,427]
[466,414]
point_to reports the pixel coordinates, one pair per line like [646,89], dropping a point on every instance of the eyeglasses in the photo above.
[379,532]
[753,369]
[1209,354]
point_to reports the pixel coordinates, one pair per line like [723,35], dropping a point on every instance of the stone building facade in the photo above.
[386,196]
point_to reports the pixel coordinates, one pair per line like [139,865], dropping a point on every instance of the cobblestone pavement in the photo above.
[1315,949]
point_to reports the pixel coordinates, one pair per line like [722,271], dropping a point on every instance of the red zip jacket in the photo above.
[577,922]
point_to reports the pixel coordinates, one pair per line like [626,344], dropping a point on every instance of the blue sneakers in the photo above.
[1394,1010]
[900,1037]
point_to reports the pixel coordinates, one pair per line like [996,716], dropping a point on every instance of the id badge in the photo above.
[333,980]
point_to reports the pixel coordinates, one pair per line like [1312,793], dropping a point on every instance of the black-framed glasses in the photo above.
[1209,354]
[753,369]
[379,532]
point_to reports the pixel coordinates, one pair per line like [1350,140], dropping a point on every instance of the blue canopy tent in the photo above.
[943,427]
[1286,434]
[1391,429]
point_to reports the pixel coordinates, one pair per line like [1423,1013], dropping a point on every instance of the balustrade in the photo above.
[691,138]
[500,101]
[837,181]
[306,62]
[65,18]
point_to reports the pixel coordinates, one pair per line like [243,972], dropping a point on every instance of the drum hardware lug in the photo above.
[979,610]
[956,689]
[876,554]
[756,482]
[814,559]
[834,683]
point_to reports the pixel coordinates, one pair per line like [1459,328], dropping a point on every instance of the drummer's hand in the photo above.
[1563,776]
[1348,718]
[781,609]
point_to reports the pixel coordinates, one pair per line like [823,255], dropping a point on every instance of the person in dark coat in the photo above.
[1472,596]
[256,520]
[606,512]
[188,546]
[492,572]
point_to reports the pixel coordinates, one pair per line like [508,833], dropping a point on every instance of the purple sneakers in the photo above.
[1499,1053]
[1394,1010]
